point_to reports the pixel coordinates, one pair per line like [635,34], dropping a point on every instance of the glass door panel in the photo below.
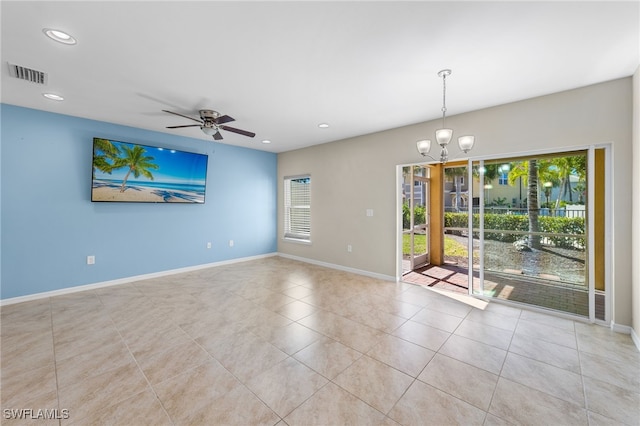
[415,235]
[456,206]
[531,224]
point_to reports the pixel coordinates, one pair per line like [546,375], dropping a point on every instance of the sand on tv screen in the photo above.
[134,173]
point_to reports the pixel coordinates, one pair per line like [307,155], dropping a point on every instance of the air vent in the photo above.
[28,74]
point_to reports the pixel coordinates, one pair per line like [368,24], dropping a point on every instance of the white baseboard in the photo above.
[339,267]
[624,329]
[635,338]
[126,280]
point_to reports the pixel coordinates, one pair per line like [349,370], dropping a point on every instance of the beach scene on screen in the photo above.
[127,172]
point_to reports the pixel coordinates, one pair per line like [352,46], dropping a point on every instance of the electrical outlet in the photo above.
[369,212]
[349,248]
[208,245]
[91,260]
[230,243]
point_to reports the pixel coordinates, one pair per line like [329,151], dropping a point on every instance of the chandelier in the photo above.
[444,135]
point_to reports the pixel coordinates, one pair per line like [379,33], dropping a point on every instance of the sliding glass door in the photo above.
[531,217]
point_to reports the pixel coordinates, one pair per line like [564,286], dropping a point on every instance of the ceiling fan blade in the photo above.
[238,131]
[217,136]
[224,119]
[188,125]
[182,115]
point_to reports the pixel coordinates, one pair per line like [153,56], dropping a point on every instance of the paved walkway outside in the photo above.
[522,289]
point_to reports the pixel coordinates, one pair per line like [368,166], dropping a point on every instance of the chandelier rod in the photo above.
[444,74]
[444,96]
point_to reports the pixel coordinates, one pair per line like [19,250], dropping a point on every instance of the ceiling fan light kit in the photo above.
[208,130]
[211,122]
[444,135]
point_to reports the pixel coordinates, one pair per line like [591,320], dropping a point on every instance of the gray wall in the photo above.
[596,114]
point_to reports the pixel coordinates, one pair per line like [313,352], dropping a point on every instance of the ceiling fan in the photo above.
[211,122]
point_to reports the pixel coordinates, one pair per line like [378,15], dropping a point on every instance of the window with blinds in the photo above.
[297,207]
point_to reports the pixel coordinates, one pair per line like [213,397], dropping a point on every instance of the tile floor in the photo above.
[281,342]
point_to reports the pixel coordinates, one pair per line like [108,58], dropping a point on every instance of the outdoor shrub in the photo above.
[456,220]
[519,222]
[508,222]
[419,213]
[564,225]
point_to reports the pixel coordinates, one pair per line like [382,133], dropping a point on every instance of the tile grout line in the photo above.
[138,365]
[55,359]
[493,394]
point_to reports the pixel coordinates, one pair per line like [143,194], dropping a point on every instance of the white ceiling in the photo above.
[281,68]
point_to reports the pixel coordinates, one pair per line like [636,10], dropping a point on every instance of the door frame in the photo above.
[434,216]
[605,236]
[609,293]
[422,259]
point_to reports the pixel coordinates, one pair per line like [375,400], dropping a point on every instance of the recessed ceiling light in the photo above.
[266,141]
[323,125]
[59,36]
[53,96]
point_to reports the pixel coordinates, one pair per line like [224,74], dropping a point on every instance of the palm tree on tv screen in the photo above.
[104,154]
[137,162]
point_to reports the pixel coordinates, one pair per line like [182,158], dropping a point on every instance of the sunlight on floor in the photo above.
[467,300]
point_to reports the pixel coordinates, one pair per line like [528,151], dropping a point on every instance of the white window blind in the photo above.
[297,207]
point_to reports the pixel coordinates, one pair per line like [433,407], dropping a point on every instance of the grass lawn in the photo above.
[451,246]
[454,248]
[420,242]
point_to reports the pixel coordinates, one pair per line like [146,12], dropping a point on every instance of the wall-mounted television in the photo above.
[135,173]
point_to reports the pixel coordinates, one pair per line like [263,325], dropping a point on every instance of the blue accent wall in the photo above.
[49,225]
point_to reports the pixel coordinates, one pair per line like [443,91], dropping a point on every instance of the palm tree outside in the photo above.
[565,167]
[457,173]
[532,205]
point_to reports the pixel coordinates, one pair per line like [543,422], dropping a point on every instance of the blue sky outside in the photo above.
[174,166]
